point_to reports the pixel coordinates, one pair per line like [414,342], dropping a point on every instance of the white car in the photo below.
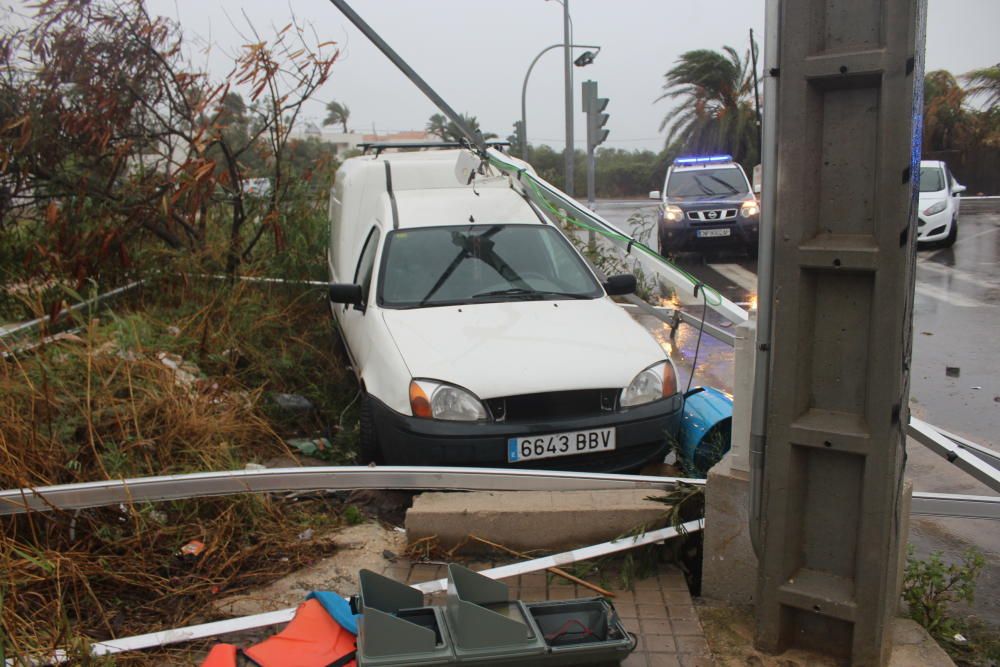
[937,218]
[478,334]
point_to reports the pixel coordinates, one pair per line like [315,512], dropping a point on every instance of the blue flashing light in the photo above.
[703,159]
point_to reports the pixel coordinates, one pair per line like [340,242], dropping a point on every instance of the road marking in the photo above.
[742,277]
[951,298]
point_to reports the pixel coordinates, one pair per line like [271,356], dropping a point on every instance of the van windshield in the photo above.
[931,179]
[437,266]
[706,182]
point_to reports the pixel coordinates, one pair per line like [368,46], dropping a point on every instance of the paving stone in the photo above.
[696,661]
[672,581]
[562,593]
[659,643]
[636,659]
[533,580]
[624,597]
[664,660]
[652,611]
[626,610]
[632,625]
[649,583]
[655,627]
[677,597]
[682,612]
[687,627]
[649,596]
[532,594]
[692,644]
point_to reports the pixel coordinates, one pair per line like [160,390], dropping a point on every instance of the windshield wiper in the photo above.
[512,291]
[521,292]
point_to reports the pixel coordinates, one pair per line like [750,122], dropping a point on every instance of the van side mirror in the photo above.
[620,285]
[654,194]
[958,188]
[345,293]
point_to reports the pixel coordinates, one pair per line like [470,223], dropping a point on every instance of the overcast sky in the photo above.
[475,53]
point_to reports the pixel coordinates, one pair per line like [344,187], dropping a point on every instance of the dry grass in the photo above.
[178,385]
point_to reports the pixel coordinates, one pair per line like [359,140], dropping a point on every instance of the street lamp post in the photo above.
[585,59]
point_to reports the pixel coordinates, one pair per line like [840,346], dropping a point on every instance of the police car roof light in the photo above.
[705,159]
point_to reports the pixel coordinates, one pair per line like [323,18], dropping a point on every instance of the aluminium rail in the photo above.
[69,497]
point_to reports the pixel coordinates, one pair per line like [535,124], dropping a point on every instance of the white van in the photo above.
[478,334]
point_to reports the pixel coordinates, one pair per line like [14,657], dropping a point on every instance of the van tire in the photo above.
[368,449]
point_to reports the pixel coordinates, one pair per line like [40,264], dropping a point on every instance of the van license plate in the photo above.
[560,444]
[708,233]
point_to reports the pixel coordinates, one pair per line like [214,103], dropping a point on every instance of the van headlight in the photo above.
[936,208]
[437,400]
[656,382]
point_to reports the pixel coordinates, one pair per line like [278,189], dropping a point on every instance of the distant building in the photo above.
[347,141]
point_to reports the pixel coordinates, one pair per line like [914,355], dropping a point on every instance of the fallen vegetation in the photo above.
[180,381]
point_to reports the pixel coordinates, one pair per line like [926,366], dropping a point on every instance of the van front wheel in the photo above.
[368,449]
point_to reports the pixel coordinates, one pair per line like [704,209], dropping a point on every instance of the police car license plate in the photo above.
[560,444]
[709,233]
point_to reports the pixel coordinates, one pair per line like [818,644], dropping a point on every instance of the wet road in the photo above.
[956,320]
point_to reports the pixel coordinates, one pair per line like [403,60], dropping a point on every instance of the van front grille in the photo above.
[553,405]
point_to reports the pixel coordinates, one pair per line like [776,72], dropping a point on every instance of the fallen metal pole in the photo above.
[667,314]
[323,478]
[955,505]
[342,478]
[985,453]
[25,327]
[192,632]
[937,442]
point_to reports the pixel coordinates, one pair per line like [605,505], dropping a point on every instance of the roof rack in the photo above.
[380,146]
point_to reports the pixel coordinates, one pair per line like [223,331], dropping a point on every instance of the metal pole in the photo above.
[756,94]
[475,138]
[765,253]
[568,65]
[524,91]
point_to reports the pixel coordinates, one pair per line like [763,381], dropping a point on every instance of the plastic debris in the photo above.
[292,402]
[960,639]
[254,466]
[952,371]
[309,446]
[192,548]
[306,534]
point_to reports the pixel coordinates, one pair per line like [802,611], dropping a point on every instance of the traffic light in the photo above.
[517,139]
[594,107]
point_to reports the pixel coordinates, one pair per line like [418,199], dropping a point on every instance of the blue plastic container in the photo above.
[706,429]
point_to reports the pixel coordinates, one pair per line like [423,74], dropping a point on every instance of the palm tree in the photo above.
[447,130]
[717,112]
[985,81]
[945,120]
[337,113]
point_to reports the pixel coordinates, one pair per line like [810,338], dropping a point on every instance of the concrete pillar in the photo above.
[729,566]
[744,358]
[848,76]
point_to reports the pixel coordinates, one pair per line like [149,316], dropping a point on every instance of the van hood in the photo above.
[524,347]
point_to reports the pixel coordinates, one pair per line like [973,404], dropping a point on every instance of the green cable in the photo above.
[603,231]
